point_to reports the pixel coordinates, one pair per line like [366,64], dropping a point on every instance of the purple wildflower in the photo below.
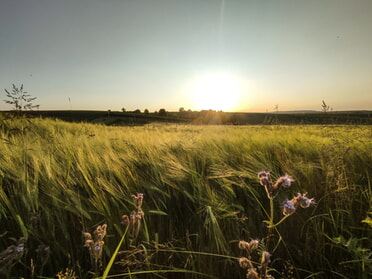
[288,207]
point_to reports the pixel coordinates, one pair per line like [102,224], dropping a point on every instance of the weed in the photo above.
[95,246]
[289,207]
[11,255]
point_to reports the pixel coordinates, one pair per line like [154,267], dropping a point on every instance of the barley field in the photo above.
[71,203]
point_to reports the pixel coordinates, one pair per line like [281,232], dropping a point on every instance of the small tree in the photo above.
[325,107]
[162,112]
[19,99]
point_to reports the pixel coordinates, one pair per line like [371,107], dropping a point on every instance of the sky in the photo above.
[230,55]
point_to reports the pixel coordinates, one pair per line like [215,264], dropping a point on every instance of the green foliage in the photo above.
[60,179]
[20,100]
[162,112]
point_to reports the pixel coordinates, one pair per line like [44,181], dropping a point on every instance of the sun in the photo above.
[216,91]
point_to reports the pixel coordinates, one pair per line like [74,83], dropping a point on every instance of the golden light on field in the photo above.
[216,91]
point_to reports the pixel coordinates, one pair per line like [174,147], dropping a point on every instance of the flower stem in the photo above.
[271,211]
[271,223]
[280,221]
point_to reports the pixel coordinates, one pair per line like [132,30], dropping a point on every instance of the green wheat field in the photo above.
[64,188]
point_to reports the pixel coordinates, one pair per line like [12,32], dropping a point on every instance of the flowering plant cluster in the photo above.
[11,255]
[288,208]
[272,190]
[133,222]
[245,262]
[95,245]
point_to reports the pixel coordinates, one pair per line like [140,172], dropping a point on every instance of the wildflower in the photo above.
[100,232]
[133,221]
[19,249]
[265,179]
[288,207]
[95,245]
[88,239]
[125,220]
[68,274]
[139,214]
[302,200]
[248,246]
[306,202]
[243,244]
[265,260]
[273,189]
[138,200]
[284,181]
[12,254]
[252,274]
[87,235]
[245,263]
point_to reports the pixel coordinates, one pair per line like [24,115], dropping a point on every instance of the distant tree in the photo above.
[325,107]
[146,111]
[123,109]
[182,112]
[162,112]
[137,111]
[19,99]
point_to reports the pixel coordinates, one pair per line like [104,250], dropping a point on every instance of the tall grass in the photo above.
[58,180]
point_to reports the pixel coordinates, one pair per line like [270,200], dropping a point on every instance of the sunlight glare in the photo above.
[216,91]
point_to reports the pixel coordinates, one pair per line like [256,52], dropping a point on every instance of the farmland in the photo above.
[201,197]
[117,118]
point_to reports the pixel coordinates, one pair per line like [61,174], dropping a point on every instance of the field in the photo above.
[116,118]
[201,197]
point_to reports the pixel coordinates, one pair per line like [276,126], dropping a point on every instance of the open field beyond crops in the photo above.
[201,196]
